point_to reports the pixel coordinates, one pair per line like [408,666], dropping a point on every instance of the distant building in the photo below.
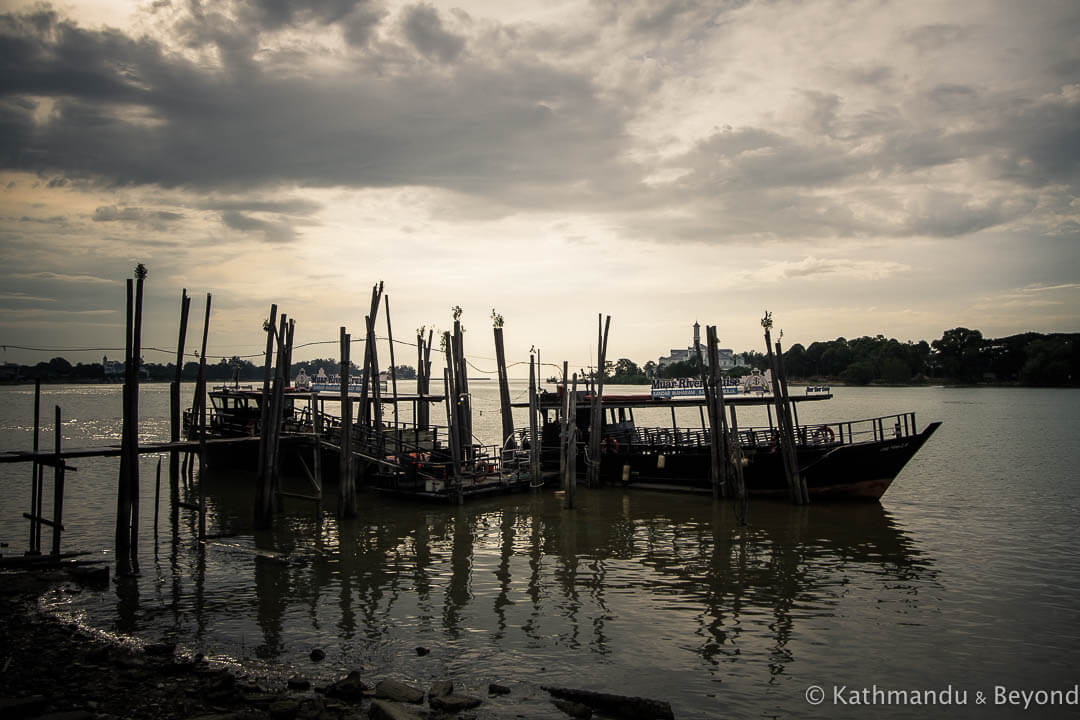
[727,358]
[114,369]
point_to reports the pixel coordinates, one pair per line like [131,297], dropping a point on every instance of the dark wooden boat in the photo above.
[847,460]
[398,457]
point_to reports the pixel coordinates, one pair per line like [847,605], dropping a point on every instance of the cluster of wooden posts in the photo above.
[797,489]
[726,460]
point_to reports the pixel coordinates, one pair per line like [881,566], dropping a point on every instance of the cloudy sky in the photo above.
[856,167]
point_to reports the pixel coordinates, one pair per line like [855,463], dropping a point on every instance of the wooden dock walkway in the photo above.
[49,458]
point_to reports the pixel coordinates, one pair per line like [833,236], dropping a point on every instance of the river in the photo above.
[965,579]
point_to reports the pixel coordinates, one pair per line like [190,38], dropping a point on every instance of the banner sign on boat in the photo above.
[693,388]
[677,387]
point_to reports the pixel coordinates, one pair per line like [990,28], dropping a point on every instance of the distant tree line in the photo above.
[235,368]
[959,356]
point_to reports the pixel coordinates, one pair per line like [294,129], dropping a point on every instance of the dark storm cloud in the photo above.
[424,29]
[112,213]
[436,100]
[272,232]
[126,111]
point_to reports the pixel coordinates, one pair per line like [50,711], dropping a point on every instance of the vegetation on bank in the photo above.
[60,370]
[961,355]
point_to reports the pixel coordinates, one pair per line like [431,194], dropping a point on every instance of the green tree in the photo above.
[960,354]
[626,372]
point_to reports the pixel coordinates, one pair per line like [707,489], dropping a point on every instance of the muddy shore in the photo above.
[56,670]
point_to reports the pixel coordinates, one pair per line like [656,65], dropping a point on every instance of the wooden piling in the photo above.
[369,349]
[127,458]
[800,482]
[424,409]
[716,437]
[505,411]
[346,485]
[58,489]
[570,480]
[461,379]
[452,420]
[277,405]
[35,478]
[564,410]
[596,423]
[157,495]
[393,372]
[786,439]
[316,430]
[534,438]
[201,389]
[372,377]
[264,508]
[175,411]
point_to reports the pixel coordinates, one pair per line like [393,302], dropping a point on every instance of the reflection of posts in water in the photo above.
[566,574]
[506,551]
[174,571]
[271,596]
[421,578]
[461,555]
[127,603]
[535,587]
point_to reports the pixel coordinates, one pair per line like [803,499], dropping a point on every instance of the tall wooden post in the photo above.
[786,451]
[570,481]
[264,508]
[716,437]
[201,389]
[136,363]
[534,439]
[792,447]
[175,412]
[346,483]
[452,419]
[450,381]
[123,491]
[505,411]
[316,460]
[369,354]
[596,422]
[564,412]
[737,461]
[277,406]
[461,388]
[425,408]
[393,369]
[58,490]
[376,389]
[35,478]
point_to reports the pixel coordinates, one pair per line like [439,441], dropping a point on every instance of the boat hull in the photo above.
[836,471]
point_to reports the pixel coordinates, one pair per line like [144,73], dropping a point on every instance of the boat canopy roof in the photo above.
[248,391]
[553,400]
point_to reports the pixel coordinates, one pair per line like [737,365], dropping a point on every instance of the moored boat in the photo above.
[842,460]
[410,458]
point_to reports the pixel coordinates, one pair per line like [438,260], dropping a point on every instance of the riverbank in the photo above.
[55,669]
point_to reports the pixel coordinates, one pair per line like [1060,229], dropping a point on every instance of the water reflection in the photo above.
[629,579]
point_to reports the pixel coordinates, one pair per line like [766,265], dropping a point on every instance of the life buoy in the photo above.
[823,434]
